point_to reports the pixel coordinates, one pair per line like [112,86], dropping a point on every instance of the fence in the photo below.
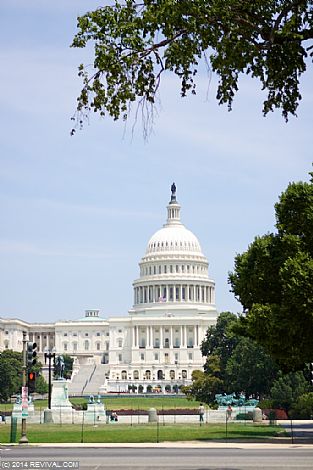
[169,425]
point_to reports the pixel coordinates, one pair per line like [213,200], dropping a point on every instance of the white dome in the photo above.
[173,238]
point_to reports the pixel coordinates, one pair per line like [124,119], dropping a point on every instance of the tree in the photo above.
[136,42]
[273,280]
[11,366]
[234,363]
[205,385]
[41,385]
[303,408]
[250,369]
[287,389]
[68,366]
[220,340]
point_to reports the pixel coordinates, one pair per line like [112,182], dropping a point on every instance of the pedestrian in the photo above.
[229,412]
[201,412]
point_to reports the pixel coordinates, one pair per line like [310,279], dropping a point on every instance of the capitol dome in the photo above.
[174,238]
[173,270]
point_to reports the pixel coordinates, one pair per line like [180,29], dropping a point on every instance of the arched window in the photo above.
[74,345]
[172,374]
[136,374]
[98,346]
[86,345]
[160,374]
[65,347]
[148,374]
[184,374]
[124,375]
[119,342]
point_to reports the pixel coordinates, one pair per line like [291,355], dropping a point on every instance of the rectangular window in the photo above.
[156,357]
[75,347]
[142,357]
[120,357]
[98,334]
[65,347]
[65,334]
[190,356]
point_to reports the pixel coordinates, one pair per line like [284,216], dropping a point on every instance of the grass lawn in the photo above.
[139,433]
[125,402]
[143,403]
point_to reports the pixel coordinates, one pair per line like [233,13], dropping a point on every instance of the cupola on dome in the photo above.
[173,236]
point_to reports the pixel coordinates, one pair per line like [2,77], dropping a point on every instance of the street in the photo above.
[240,456]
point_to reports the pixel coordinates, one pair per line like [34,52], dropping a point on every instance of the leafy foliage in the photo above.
[136,42]
[234,364]
[41,385]
[273,280]
[287,389]
[250,369]
[303,408]
[204,385]
[11,366]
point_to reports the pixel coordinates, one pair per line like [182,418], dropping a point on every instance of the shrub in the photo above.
[303,408]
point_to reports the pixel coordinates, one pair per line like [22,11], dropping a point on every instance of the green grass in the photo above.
[143,403]
[120,433]
[125,402]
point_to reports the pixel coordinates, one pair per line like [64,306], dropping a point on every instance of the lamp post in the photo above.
[24,439]
[49,355]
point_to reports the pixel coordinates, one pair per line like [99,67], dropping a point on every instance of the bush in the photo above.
[266,404]
[303,408]
[245,416]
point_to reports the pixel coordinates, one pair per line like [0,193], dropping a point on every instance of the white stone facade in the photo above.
[157,346]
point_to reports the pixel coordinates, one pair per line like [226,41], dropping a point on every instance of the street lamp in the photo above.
[49,355]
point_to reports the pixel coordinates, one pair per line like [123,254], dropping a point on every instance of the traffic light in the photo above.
[31,354]
[31,382]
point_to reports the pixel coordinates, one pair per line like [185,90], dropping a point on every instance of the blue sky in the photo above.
[77,212]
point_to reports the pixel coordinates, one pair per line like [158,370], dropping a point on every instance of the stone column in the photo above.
[181,336]
[161,337]
[171,337]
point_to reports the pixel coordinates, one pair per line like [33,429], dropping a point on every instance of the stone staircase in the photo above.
[88,380]
[96,379]
[80,380]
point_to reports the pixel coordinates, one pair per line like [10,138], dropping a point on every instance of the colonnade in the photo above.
[195,293]
[42,339]
[172,336]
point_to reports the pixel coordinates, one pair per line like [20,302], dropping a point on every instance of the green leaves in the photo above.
[134,43]
[10,373]
[273,280]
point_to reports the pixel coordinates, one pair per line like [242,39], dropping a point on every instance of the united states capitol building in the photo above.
[157,346]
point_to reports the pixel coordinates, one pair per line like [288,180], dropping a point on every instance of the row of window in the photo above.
[87,334]
[187,245]
[157,357]
[178,268]
[160,375]
[86,346]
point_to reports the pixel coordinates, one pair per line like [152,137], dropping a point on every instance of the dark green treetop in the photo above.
[273,280]
[135,42]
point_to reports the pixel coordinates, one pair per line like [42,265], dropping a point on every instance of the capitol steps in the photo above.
[88,380]
[80,380]
[96,379]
